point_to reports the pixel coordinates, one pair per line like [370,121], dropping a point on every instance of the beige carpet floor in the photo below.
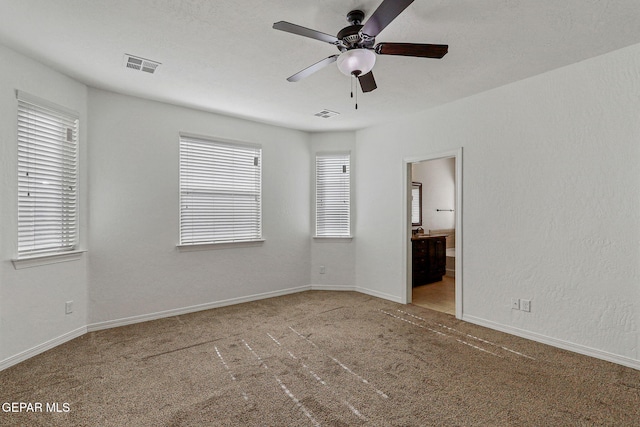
[317,358]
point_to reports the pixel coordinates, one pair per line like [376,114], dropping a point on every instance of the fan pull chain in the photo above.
[354,80]
[351,81]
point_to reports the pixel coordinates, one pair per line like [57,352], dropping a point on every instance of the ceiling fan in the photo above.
[357,44]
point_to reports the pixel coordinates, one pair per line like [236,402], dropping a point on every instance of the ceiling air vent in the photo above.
[140,64]
[325,114]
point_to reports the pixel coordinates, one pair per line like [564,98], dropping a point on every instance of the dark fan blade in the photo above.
[367,82]
[413,49]
[384,14]
[306,32]
[312,69]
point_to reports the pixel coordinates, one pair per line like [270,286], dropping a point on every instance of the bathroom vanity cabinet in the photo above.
[429,259]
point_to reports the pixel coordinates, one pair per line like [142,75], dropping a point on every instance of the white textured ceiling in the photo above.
[223,56]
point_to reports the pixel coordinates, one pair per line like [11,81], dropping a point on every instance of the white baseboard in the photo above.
[41,348]
[379,294]
[332,288]
[191,309]
[207,306]
[357,289]
[565,345]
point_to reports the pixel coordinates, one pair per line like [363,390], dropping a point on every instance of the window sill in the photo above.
[220,245]
[333,238]
[38,260]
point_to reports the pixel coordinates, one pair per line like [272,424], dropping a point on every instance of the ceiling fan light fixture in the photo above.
[356,62]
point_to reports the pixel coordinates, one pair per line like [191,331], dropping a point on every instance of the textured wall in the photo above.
[134,266]
[550,202]
[336,255]
[32,300]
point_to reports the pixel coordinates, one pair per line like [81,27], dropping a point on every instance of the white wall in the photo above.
[550,203]
[135,269]
[32,300]
[438,178]
[336,255]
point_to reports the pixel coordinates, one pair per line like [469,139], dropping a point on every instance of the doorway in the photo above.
[434,232]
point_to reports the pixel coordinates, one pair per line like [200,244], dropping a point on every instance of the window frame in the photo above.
[346,230]
[66,170]
[217,144]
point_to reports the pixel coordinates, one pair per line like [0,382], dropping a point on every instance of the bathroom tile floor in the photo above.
[438,296]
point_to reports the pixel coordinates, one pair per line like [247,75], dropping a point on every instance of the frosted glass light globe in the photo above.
[356,61]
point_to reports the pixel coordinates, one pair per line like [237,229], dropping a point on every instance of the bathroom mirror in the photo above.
[416,203]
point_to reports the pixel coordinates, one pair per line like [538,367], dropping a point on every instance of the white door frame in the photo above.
[406,222]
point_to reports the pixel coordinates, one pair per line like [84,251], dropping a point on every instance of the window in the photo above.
[47,178]
[220,191]
[333,195]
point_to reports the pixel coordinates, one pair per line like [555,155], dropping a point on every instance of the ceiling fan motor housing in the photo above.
[350,37]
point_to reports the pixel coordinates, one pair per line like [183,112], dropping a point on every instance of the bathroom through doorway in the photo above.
[434,237]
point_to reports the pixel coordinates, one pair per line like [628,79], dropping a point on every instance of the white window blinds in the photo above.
[47,178]
[220,191]
[333,191]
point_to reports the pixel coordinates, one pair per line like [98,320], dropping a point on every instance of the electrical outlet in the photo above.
[525,305]
[68,307]
[322,269]
[515,304]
